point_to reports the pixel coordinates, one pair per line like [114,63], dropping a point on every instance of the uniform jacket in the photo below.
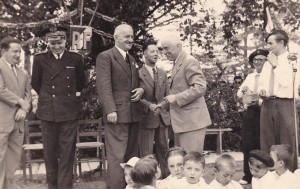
[189,112]
[11,90]
[149,119]
[115,81]
[56,82]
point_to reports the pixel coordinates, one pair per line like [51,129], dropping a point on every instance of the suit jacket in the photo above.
[149,119]
[11,90]
[56,82]
[189,112]
[115,80]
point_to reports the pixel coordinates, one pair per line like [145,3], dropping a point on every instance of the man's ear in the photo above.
[215,171]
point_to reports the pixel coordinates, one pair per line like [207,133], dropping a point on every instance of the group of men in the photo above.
[269,95]
[138,104]
[134,102]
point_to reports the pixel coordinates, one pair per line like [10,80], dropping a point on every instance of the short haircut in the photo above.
[256,163]
[5,43]
[280,35]
[284,153]
[195,157]
[224,160]
[175,151]
[148,42]
[120,27]
[144,171]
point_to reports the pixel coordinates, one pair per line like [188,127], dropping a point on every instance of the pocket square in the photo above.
[70,67]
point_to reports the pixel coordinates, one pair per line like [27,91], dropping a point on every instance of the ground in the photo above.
[94,181]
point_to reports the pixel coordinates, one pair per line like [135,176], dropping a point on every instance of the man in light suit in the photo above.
[14,105]
[153,127]
[117,84]
[188,109]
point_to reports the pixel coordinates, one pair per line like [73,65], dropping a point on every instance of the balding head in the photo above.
[123,36]
[172,46]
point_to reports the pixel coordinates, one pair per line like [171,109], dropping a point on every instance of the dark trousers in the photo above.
[59,139]
[158,135]
[250,137]
[121,145]
[277,125]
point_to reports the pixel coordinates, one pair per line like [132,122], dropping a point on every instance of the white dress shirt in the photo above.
[150,70]
[183,184]
[262,183]
[123,53]
[60,55]
[283,78]
[287,180]
[231,185]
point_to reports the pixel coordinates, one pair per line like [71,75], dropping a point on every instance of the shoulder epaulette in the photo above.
[73,52]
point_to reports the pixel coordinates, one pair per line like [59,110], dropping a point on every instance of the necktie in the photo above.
[13,68]
[127,59]
[58,56]
[256,84]
[271,83]
[156,84]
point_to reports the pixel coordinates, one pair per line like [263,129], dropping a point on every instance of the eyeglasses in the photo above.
[259,60]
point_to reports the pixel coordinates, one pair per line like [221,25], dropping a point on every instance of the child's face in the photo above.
[275,158]
[193,171]
[127,171]
[225,174]
[175,164]
[257,172]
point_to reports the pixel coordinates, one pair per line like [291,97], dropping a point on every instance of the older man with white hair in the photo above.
[117,86]
[188,109]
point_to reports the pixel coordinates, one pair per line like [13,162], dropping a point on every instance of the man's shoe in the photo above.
[243,182]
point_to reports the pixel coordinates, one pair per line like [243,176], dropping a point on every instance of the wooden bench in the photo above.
[218,132]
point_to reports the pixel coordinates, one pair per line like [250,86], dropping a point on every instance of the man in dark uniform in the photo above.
[57,76]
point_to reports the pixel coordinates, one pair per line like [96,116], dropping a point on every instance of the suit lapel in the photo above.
[147,76]
[119,58]
[177,66]
[12,76]
[160,76]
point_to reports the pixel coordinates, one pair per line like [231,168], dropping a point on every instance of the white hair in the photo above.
[171,38]
[120,28]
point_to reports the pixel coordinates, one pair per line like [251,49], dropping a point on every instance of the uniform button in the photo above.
[68,86]
[53,87]
[67,77]
[69,95]
[53,96]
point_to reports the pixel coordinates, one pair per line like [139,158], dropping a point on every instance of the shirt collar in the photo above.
[150,68]
[60,54]
[123,53]
[178,56]
[9,64]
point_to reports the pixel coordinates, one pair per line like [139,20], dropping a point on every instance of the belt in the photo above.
[279,98]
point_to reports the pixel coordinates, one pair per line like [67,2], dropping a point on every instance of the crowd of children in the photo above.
[268,171]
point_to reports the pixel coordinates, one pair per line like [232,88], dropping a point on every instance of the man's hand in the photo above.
[272,59]
[263,94]
[112,117]
[20,115]
[245,89]
[170,98]
[155,109]
[137,94]
[24,104]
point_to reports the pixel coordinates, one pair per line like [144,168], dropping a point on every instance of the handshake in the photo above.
[157,108]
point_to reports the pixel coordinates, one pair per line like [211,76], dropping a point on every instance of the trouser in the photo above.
[277,125]
[158,135]
[191,140]
[59,139]
[121,145]
[250,137]
[10,155]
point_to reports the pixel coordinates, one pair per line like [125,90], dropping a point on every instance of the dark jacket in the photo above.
[56,82]
[115,81]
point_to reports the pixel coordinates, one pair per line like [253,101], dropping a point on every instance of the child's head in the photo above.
[144,172]
[282,155]
[194,164]
[153,158]
[259,163]
[127,170]
[175,159]
[224,168]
